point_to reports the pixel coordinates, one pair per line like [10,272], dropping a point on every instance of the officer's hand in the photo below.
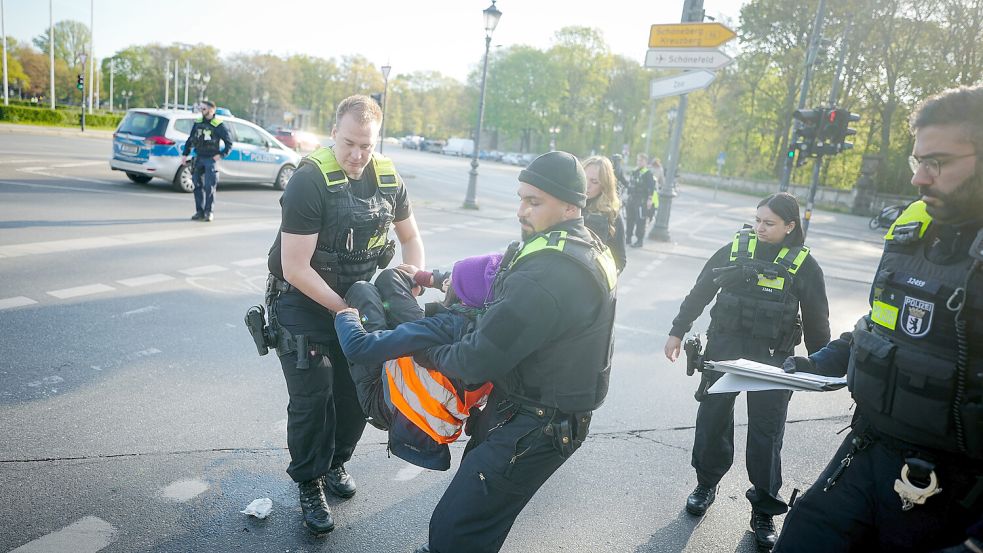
[673,345]
[733,275]
[798,364]
[216,157]
[184,160]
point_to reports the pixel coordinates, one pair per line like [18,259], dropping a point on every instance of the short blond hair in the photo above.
[361,107]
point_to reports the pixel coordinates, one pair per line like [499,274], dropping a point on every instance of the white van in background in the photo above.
[458,147]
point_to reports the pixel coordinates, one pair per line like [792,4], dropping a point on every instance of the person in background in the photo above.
[603,212]
[205,136]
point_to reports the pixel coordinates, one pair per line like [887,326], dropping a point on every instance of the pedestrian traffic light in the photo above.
[377,96]
[806,133]
[80,82]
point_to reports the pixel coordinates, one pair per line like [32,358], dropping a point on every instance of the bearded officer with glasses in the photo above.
[909,476]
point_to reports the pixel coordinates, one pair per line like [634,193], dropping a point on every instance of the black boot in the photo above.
[700,500]
[338,482]
[317,515]
[764,531]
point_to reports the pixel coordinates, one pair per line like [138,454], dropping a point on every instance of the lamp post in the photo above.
[126,95]
[255,102]
[385,98]
[554,132]
[671,116]
[492,15]
[201,82]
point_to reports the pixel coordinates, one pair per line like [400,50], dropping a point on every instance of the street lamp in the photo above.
[201,82]
[492,15]
[255,102]
[126,95]
[671,115]
[385,97]
[554,132]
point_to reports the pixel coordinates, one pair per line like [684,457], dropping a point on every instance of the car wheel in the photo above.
[283,177]
[138,178]
[182,179]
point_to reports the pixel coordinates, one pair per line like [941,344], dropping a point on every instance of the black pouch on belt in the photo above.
[563,437]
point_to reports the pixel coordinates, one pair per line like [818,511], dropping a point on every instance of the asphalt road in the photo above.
[136,415]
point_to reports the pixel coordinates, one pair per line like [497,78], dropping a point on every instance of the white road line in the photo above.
[184,490]
[77,291]
[6,161]
[79,164]
[87,535]
[147,309]
[408,472]
[638,330]
[251,262]
[439,229]
[203,270]
[17,301]
[145,280]
[426,232]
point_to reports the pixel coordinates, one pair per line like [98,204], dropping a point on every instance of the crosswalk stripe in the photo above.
[17,301]
[87,535]
[203,270]
[250,262]
[77,291]
[145,280]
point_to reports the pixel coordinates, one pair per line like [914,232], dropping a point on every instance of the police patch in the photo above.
[916,316]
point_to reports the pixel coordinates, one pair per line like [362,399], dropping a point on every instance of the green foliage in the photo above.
[60,117]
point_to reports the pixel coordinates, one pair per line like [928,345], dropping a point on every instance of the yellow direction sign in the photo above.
[689,35]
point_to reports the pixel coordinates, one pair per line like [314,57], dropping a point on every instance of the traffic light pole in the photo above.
[814,42]
[692,11]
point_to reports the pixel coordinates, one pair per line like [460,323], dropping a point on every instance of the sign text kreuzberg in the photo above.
[689,35]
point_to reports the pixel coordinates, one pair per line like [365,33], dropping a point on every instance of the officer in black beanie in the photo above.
[545,343]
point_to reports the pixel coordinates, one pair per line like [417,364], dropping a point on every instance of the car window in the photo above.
[184,125]
[266,137]
[248,135]
[142,124]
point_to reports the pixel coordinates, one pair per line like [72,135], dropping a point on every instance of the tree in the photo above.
[72,38]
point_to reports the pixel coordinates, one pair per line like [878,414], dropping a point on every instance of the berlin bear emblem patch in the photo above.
[916,316]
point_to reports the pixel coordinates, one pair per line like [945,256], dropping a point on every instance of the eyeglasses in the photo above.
[933,167]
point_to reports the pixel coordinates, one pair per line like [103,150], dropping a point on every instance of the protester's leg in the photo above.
[493,484]
[396,289]
[369,380]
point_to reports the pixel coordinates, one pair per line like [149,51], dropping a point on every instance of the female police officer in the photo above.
[764,277]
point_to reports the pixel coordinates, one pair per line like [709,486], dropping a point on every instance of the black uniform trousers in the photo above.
[636,220]
[506,461]
[324,419]
[713,445]
[862,512]
[383,305]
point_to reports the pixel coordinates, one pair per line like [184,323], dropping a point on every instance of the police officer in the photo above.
[206,134]
[765,277]
[545,342]
[909,476]
[336,214]
[640,190]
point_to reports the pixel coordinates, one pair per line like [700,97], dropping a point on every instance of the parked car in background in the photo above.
[299,141]
[148,144]
[434,146]
[458,147]
[411,142]
[491,155]
[512,158]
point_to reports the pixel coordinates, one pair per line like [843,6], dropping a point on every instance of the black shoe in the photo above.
[317,515]
[637,244]
[764,531]
[209,217]
[700,500]
[338,482]
[198,217]
[425,548]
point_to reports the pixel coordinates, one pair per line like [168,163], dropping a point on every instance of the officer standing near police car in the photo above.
[205,135]
[546,344]
[336,213]
[909,476]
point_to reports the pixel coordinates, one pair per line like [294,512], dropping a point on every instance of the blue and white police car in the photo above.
[148,144]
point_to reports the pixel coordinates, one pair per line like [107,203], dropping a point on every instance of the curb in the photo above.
[13,128]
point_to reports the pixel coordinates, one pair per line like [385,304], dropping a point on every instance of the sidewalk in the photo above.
[15,128]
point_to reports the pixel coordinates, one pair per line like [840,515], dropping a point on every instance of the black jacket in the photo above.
[205,137]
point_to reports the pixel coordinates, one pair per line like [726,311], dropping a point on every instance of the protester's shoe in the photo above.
[317,515]
[425,548]
[637,244]
[209,217]
[198,217]
[700,500]
[338,482]
[764,531]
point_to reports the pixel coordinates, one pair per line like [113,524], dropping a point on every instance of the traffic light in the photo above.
[839,128]
[80,82]
[806,134]
[377,96]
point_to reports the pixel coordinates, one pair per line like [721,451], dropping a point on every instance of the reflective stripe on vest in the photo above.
[914,216]
[385,170]
[428,399]
[557,240]
[215,121]
[744,244]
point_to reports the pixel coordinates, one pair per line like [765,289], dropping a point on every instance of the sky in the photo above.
[440,35]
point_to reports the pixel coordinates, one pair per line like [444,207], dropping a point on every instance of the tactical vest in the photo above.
[764,314]
[353,231]
[206,145]
[636,186]
[572,372]
[904,371]
[429,400]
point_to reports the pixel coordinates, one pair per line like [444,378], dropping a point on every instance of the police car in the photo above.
[148,144]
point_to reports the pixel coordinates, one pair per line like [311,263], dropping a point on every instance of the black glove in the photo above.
[799,364]
[734,275]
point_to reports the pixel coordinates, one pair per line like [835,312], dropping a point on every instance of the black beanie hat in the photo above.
[560,175]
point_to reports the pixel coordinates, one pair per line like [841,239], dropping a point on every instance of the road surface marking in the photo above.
[17,301]
[87,535]
[638,330]
[5,161]
[185,490]
[409,472]
[77,291]
[147,309]
[78,164]
[203,270]
[250,262]
[145,280]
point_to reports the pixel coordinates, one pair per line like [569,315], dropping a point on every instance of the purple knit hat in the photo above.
[472,278]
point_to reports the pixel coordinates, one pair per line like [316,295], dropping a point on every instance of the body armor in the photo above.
[572,372]
[916,370]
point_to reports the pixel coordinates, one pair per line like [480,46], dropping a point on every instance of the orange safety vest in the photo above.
[429,400]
